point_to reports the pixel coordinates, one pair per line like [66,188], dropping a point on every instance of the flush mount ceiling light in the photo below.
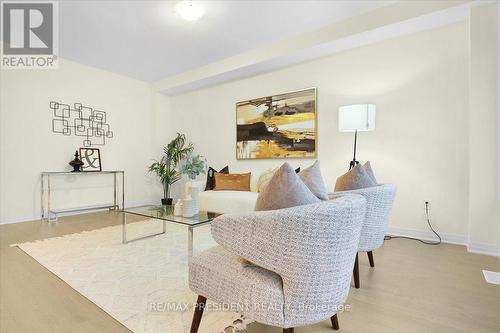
[189,10]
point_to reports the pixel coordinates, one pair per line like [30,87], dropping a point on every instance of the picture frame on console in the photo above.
[91,158]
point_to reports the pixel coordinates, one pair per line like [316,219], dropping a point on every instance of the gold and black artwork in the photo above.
[279,126]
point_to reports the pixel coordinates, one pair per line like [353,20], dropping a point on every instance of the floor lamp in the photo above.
[356,118]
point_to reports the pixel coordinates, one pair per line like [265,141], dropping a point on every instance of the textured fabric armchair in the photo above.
[287,267]
[379,202]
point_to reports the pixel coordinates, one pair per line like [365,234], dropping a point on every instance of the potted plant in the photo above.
[166,167]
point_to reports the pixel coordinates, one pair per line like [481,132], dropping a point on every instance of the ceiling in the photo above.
[147,41]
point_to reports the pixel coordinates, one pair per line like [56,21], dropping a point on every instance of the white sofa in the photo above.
[231,202]
[228,202]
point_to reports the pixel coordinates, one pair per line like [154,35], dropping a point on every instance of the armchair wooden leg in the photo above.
[198,312]
[370,258]
[288,330]
[355,272]
[335,322]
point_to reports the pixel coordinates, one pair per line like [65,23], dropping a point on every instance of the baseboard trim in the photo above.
[20,219]
[427,235]
[478,248]
[487,249]
[31,218]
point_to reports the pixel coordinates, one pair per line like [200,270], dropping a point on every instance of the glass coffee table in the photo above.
[165,214]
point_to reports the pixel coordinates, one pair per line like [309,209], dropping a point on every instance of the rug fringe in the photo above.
[73,234]
[56,237]
[238,325]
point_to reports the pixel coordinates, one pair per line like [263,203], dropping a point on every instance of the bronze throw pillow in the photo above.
[232,182]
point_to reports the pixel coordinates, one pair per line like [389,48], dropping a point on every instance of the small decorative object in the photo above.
[80,120]
[178,208]
[76,163]
[187,207]
[279,126]
[193,167]
[91,158]
[356,118]
[166,167]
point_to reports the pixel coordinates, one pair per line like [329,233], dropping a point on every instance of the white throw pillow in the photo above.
[265,177]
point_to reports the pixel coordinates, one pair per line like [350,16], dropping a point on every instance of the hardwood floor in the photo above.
[413,288]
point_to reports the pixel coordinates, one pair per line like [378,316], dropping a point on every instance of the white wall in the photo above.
[419,84]
[28,145]
[430,138]
[484,209]
[498,103]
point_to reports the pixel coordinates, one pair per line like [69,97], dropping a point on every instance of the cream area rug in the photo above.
[142,284]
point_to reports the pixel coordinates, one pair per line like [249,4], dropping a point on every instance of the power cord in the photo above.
[421,240]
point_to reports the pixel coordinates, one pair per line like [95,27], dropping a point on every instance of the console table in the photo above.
[50,214]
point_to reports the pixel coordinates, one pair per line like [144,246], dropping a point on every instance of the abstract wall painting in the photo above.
[279,126]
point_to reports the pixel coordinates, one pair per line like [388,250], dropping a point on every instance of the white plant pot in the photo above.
[188,207]
[193,190]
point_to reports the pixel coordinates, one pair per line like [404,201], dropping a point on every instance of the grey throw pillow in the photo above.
[284,190]
[313,179]
[356,178]
[369,171]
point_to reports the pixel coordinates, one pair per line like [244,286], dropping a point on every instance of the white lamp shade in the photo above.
[358,117]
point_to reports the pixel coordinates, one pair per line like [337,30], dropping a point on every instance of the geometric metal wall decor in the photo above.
[81,121]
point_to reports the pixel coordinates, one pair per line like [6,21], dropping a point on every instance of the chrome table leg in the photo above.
[190,243]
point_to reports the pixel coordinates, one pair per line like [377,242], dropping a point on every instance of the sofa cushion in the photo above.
[232,182]
[284,190]
[356,178]
[211,177]
[228,202]
[311,176]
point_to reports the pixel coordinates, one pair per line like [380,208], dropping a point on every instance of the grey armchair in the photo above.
[285,268]
[379,202]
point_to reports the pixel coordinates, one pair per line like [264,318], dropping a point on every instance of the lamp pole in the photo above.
[354,118]
[353,163]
